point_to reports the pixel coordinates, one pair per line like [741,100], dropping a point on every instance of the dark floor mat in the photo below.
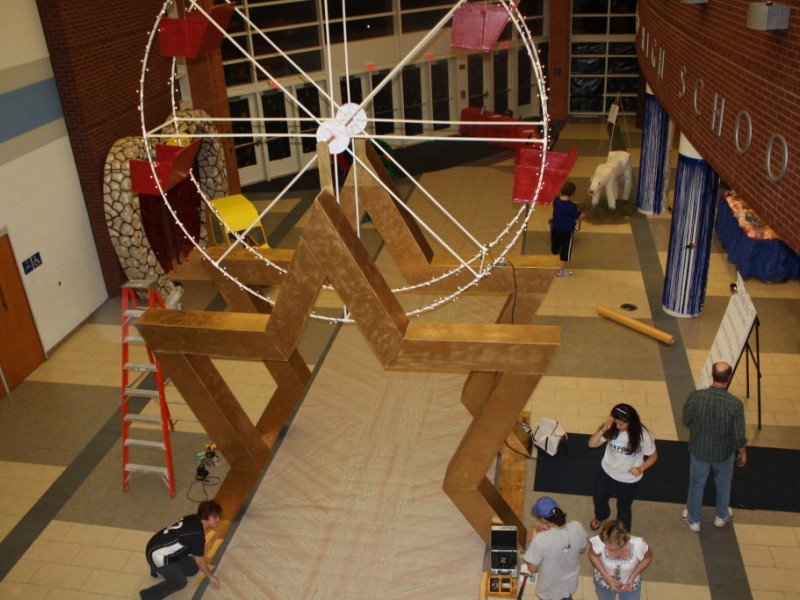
[755,487]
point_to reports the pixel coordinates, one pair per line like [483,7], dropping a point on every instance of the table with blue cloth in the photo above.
[754,247]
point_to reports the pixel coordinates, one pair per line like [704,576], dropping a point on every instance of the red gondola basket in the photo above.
[172,164]
[194,34]
[477,26]
[528,166]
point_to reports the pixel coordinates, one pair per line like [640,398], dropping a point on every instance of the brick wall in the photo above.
[96,49]
[757,72]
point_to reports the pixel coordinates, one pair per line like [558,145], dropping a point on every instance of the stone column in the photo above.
[690,236]
[654,164]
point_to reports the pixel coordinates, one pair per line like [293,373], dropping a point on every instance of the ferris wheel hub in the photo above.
[334,134]
[342,124]
[350,120]
[353,117]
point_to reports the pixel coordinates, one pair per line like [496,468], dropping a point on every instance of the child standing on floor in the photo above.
[566,217]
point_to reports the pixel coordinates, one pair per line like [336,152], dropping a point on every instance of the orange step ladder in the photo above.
[133,375]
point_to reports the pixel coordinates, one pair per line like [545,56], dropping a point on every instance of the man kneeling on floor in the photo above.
[177,552]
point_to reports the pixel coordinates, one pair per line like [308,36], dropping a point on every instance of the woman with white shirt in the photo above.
[630,451]
[619,559]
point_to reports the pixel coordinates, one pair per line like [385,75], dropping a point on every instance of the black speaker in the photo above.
[503,550]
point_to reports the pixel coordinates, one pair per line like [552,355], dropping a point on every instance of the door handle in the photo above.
[3,300]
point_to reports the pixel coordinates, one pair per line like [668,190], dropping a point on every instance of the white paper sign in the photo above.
[613,111]
[732,333]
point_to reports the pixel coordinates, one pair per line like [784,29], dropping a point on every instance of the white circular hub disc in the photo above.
[334,134]
[353,117]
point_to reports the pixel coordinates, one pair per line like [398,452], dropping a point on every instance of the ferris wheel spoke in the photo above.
[479,246]
[357,198]
[418,185]
[451,138]
[411,54]
[341,124]
[290,185]
[287,188]
[240,238]
[277,84]
[329,47]
[450,122]
[346,49]
[418,218]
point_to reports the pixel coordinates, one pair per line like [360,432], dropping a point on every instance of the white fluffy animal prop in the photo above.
[609,175]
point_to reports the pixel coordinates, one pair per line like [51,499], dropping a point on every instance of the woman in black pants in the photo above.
[630,451]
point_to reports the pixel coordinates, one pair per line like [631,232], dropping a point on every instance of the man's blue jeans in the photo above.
[698,473]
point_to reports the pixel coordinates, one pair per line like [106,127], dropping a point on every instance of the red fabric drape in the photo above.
[168,241]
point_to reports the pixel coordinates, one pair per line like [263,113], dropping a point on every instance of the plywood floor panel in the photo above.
[352,506]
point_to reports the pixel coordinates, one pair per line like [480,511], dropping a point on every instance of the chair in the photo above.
[236,215]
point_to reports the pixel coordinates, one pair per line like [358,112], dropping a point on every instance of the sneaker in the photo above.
[564,273]
[694,527]
[722,522]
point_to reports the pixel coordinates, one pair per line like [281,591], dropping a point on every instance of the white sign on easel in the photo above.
[613,111]
[732,333]
[613,115]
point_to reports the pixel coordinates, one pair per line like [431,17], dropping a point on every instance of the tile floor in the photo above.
[67,554]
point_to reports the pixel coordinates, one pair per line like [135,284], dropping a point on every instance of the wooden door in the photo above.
[20,348]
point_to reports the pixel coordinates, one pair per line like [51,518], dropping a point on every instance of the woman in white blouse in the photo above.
[619,559]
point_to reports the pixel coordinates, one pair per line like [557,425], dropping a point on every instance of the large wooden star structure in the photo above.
[504,359]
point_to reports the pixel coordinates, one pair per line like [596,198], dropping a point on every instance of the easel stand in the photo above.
[613,114]
[748,352]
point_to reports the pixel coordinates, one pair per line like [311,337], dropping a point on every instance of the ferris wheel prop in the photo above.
[350,121]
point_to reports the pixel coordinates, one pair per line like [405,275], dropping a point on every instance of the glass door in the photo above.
[277,137]
[501,87]
[383,104]
[351,89]
[278,146]
[441,95]
[249,155]
[412,99]
[476,87]
[305,143]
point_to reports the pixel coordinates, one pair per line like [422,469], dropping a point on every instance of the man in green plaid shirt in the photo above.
[717,439]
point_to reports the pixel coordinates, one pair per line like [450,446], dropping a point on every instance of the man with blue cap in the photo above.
[554,553]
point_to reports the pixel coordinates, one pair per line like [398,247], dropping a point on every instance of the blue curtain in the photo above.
[690,237]
[652,165]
